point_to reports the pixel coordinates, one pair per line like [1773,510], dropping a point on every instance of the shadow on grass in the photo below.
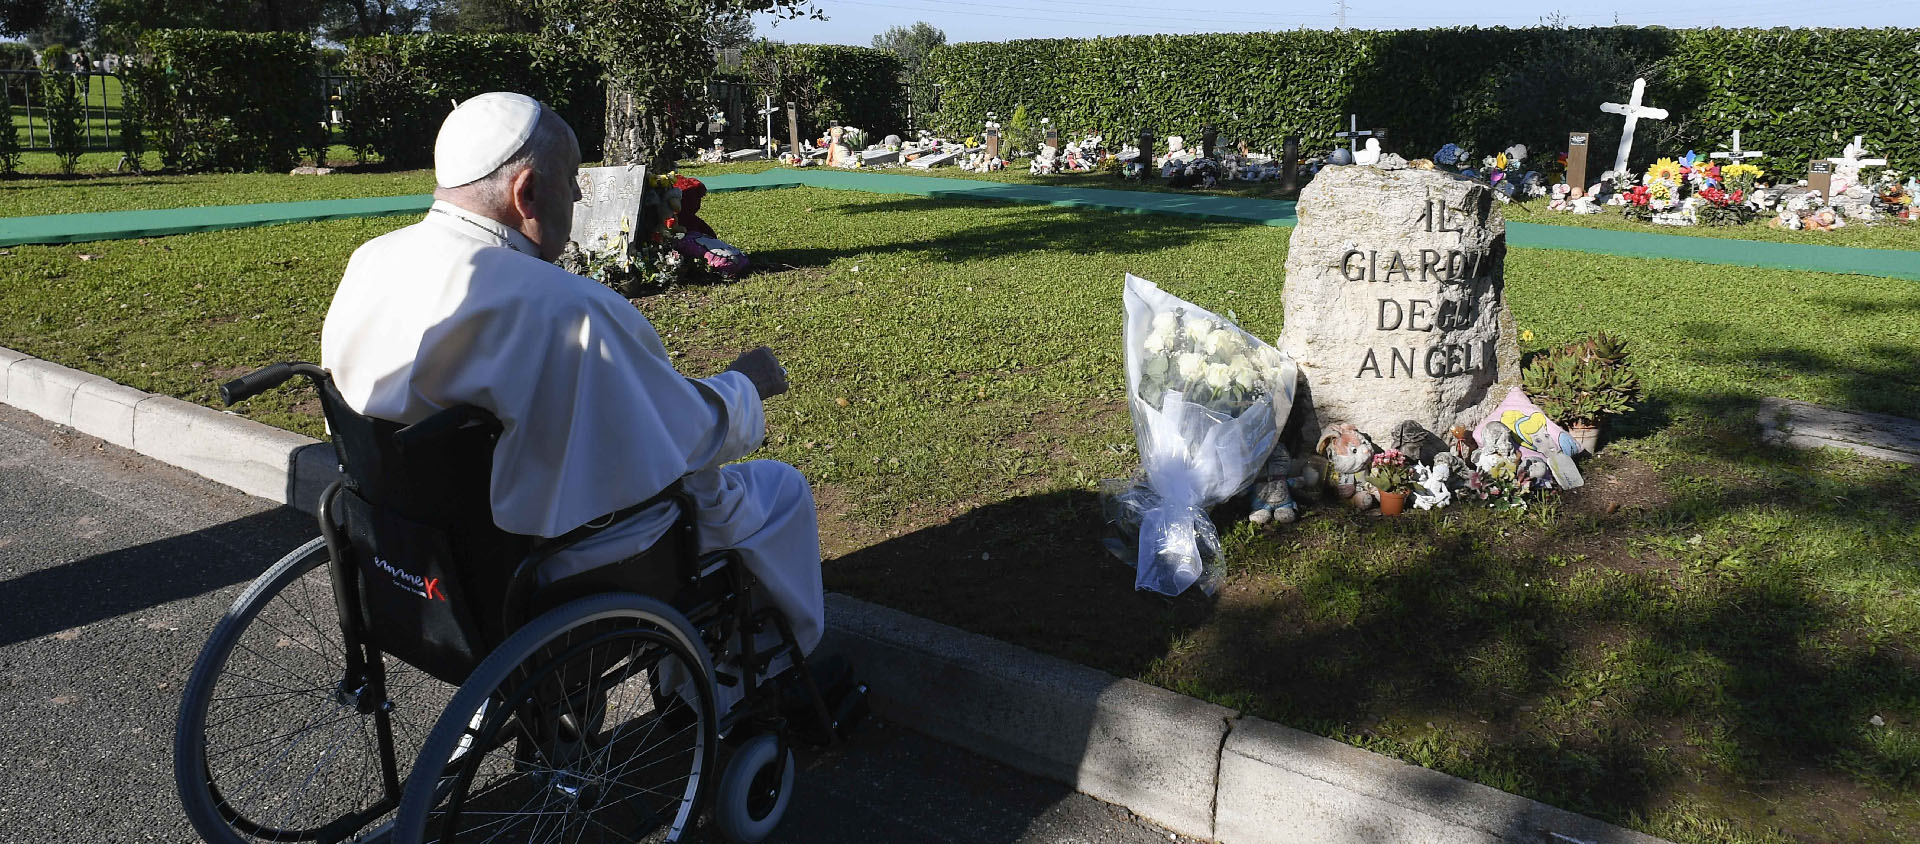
[1035,228]
[1687,634]
[1885,378]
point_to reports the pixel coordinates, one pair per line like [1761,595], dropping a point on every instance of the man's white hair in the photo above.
[551,150]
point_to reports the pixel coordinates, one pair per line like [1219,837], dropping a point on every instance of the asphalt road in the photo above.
[114,568]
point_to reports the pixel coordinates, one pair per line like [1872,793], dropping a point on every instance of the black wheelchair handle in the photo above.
[256,382]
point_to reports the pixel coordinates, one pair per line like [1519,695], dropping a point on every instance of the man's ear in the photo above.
[523,194]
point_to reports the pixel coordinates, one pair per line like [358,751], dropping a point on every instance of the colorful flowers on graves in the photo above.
[1740,177]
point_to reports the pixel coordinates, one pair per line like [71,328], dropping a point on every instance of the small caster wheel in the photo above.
[754,790]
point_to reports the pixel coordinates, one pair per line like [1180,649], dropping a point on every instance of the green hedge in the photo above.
[227,100]
[828,84]
[404,86]
[1795,93]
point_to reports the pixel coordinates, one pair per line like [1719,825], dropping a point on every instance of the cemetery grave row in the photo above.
[1726,187]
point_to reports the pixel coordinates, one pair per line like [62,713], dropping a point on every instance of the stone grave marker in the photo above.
[1289,163]
[793,130]
[876,157]
[1633,111]
[754,154]
[609,209]
[1820,177]
[945,155]
[1208,136]
[1577,162]
[991,137]
[1053,135]
[1395,301]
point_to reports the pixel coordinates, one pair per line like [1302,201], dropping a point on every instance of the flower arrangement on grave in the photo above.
[1581,384]
[1389,476]
[1501,486]
[1208,401]
[1741,177]
[1893,198]
[670,243]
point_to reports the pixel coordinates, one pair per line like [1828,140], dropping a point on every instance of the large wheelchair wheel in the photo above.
[594,722]
[268,747]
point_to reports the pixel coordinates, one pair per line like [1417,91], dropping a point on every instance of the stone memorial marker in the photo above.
[991,137]
[1146,142]
[875,157]
[793,130]
[1633,111]
[754,154]
[1208,135]
[1289,163]
[609,209]
[1353,133]
[1053,135]
[1395,301]
[1577,162]
[945,155]
[1820,178]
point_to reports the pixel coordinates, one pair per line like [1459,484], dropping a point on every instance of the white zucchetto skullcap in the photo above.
[481,134]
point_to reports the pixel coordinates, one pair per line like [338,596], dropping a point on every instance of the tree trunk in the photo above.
[636,135]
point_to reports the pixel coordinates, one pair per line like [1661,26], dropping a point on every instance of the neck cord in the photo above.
[505,241]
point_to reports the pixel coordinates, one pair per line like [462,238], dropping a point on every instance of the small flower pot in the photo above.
[1585,437]
[1392,503]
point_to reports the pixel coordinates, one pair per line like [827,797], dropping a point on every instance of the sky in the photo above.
[857,21]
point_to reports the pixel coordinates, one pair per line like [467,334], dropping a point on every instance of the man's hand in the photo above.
[763,369]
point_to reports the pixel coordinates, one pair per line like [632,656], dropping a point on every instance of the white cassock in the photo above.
[459,309]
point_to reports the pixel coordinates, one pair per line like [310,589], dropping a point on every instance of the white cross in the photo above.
[1851,155]
[768,113]
[1737,153]
[1633,111]
[1353,133]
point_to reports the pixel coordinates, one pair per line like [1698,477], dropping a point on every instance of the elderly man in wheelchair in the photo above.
[543,600]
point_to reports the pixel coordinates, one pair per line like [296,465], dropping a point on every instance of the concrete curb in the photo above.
[1196,768]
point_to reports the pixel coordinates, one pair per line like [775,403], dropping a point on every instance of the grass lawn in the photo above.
[1694,645]
[1884,236]
[27,197]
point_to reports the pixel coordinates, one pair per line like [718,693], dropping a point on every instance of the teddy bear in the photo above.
[1349,454]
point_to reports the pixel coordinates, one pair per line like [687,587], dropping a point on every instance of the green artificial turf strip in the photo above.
[1711,650]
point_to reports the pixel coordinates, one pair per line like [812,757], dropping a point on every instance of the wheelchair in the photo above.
[408,676]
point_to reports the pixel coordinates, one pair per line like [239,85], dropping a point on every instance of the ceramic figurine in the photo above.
[1349,454]
[1432,490]
[1412,440]
[1448,466]
[1046,163]
[1562,198]
[1502,451]
[1369,154]
[1460,444]
[1272,496]
[1341,156]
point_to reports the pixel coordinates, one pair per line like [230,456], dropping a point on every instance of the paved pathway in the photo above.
[113,569]
[1886,263]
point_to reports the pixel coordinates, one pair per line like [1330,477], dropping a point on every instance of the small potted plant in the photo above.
[1389,476]
[1582,384]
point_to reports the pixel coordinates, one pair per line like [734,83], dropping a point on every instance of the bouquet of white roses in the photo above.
[1208,402]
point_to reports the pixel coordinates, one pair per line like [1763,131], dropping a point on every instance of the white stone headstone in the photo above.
[879,157]
[1396,301]
[747,154]
[947,155]
[609,208]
